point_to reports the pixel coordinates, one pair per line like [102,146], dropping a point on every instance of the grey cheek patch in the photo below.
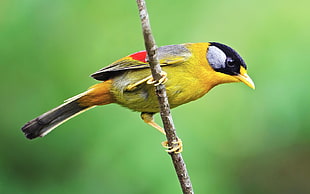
[216,57]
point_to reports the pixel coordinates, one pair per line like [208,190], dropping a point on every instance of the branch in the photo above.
[166,117]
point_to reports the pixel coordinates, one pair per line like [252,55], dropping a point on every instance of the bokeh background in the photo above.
[237,141]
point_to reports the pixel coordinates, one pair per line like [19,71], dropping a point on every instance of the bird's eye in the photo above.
[230,62]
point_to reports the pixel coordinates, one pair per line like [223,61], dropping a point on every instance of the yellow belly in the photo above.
[183,86]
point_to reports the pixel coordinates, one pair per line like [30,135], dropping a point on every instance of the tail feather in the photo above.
[48,121]
[98,94]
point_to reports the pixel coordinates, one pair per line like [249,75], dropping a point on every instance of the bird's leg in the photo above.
[177,145]
[131,87]
[148,119]
[148,80]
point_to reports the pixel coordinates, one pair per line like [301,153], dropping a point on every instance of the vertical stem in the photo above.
[166,117]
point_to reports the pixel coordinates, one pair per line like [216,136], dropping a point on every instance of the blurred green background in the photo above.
[236,140]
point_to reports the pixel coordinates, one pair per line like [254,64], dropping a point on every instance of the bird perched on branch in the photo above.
[189,71]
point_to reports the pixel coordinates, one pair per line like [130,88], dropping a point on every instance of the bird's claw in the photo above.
[148,80]
[177,146]
[162,80]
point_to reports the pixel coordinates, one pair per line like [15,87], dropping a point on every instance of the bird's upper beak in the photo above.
[243,77]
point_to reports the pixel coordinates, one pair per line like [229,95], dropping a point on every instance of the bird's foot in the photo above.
[148,80]
[162,80]
[177,146]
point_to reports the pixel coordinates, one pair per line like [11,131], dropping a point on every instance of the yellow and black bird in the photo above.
[191,70]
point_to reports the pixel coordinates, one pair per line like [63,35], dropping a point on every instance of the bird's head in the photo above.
[224,59]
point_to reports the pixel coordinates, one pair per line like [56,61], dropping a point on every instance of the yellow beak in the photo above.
[243,77]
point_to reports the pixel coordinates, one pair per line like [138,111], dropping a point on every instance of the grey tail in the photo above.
[48,121]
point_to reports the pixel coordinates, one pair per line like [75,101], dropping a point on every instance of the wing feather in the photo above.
[171,54]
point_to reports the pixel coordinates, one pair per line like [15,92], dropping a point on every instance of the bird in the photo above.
[190,70]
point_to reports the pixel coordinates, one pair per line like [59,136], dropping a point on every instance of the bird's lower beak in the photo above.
[243,77]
